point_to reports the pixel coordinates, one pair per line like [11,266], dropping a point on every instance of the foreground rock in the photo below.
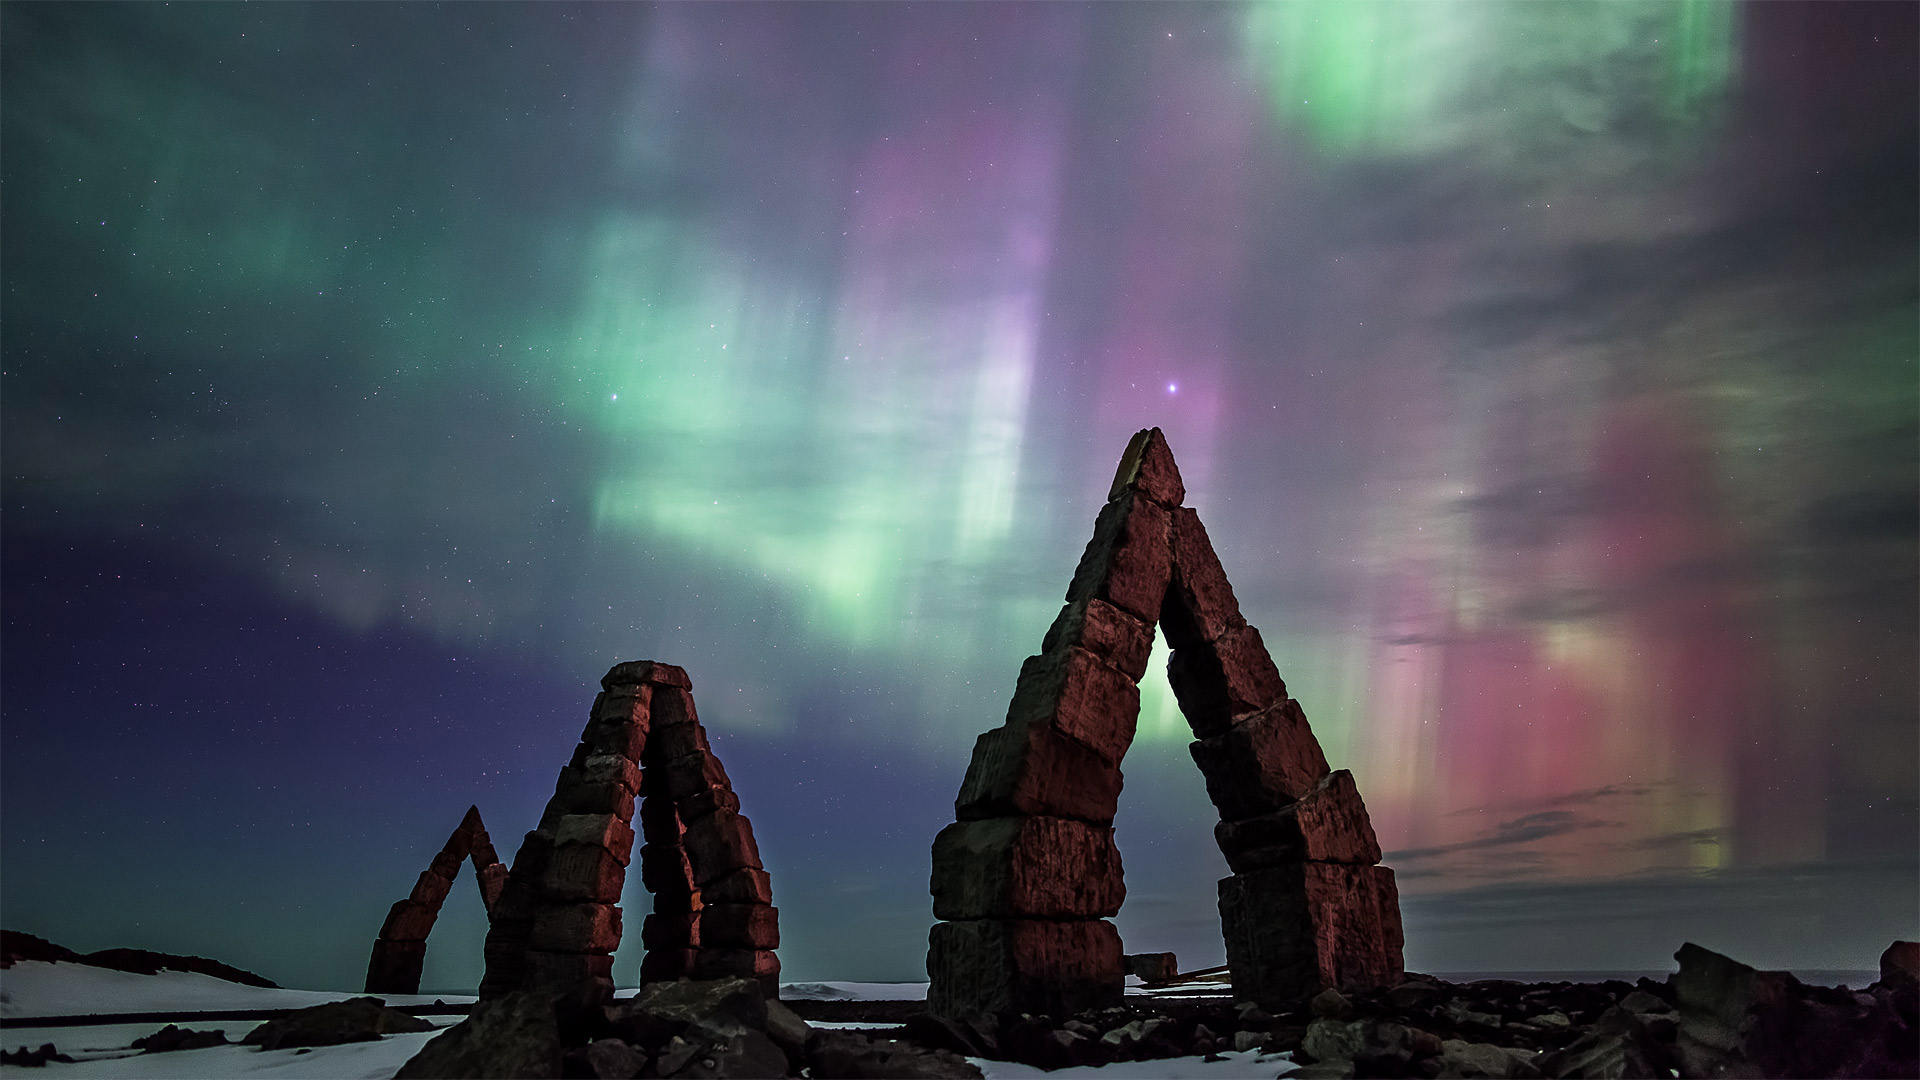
[34,1058]
[688,1029]
[171,1038]
[361,1019]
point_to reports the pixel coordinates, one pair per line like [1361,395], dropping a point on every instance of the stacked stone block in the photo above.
[558,920]
[1025,878]
[400,951]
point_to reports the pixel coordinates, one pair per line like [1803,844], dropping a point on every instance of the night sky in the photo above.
[375,376]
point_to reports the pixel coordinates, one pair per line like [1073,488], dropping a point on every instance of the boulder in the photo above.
[1026,867]
[361,1019]
[749,1055]
[611,1059]
[516,1035]
[1901,963]
[1616,1047]
[1459,1058]
[1716,996]
[1153,967]
[1376,1047]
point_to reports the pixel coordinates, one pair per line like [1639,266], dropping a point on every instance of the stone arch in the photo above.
[400,951]
[557,922]
[1026,876]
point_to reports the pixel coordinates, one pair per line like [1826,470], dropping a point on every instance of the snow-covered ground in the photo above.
[34,989]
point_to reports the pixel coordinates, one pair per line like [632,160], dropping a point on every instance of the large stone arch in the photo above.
[400,951]
[557,922]
[1025,878]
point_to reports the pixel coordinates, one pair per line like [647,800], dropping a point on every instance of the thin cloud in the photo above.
[1524,829]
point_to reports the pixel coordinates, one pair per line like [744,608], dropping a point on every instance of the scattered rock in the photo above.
[1331,1004]
[34,1058]
[1901,962]
[843,1055]
[361,1019]
[1156,967]
[1617,1047]
[172,1038]
[1469,1059]
[611,1059]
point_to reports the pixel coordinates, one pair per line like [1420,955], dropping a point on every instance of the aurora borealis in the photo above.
[375,376]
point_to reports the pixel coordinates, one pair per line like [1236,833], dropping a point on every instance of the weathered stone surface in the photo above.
[1199,605]
[1901,962]
[701,803]
[1293,931]
[171,1038]
[712,963]
[1718,998]
[634,672]
[665,965]
[671,741]
[575,795]
[431,888]
[1105,631]
[623,705]
[1130,558]
[1618,1046]
[720,843]
[1224,680]
[1148,468]
[516,1035]
[739,926]
[1461,1058]
[568,972]
[1026,867]
[1153,967]
[361,1019]
[1081,696]
[673,707]
[1328,824]
[1034,965]
[1261,764]
[581,928]
[396,964]
[408,921]
[661,930]
[611,769]
[628,738]
[579,872]
[610,1058]
[664,869]
[747,885]
[660,821]
[682,777]
[596,830]
[1028,768]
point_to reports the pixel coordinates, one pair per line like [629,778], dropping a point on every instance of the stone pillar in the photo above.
[401,949]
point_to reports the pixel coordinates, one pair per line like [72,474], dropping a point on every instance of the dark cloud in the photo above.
[1524,829]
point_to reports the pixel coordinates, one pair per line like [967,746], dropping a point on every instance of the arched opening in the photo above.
[1026,878]
[400,952]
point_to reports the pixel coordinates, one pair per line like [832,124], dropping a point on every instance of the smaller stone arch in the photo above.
[557,922]
[400,951]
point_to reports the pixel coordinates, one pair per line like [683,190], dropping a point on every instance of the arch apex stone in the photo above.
[1147,467]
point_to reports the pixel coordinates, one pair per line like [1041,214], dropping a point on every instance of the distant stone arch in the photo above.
[1024,879]
[401,949]
[557,922]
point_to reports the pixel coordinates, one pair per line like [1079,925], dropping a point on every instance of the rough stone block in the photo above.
[493,881]
[581,928]
[719,844]
[710,963]
[746,885]
[1148,468]
[446,862]
[706,801]
[431,889]
[1328,824]
[1221,681]
[611,769]
[1033,965]
[1199,603]
[633,672]
[1082,697]
[623,705]
[628,738]
[671,741]
[575,795]
[1296,930]
[739,926]
[1026,768]
[600,830]
[584,872]
[665,965]
[1130,558]
[408,921]
[1105,631]
[660,821]
[395,967]
[1026,867]
[663,931]
[686,776]
[673,707]
[1153,967]
[558,973]
[665,871]
[1261,764]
